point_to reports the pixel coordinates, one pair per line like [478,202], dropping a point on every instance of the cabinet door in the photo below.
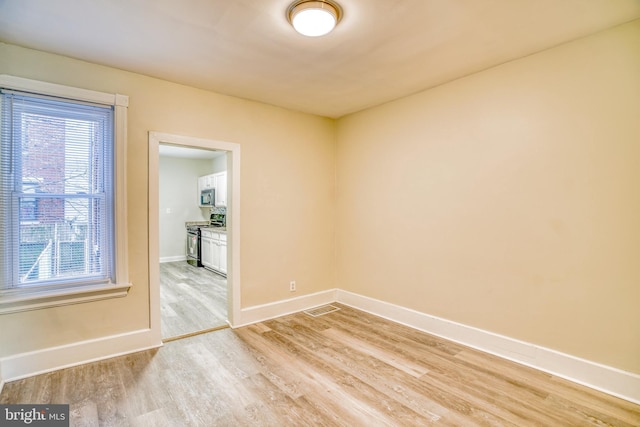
[223,256]
[215,252]
[206,251]
[221,188]
[205,182]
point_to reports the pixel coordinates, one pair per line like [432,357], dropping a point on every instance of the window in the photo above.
[61,195]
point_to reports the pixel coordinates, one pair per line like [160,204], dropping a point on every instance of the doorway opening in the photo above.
[187,298]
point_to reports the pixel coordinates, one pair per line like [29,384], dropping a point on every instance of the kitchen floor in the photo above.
[192,299]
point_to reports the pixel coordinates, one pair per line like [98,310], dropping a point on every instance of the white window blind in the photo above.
[56,192]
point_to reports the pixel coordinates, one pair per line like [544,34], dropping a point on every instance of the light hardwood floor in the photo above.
[191,299]
[346,368]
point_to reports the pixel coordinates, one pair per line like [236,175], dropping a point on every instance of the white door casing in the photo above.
[233,221]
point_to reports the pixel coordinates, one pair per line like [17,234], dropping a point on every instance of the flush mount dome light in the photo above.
[314,18]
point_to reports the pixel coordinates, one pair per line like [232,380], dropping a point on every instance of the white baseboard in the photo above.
[272,310]
[173,258]
[616,382]
[50,359]
[25,365]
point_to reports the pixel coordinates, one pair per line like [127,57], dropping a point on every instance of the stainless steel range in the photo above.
[218,218]
[193,246]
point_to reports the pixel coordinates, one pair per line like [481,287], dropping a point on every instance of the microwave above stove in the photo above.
[207,197]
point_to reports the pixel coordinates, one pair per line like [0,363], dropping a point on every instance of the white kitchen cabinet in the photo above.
[205,182]
[215,255]
[214,250]
[220,182]
[217,181]
[223,253]
[207,248]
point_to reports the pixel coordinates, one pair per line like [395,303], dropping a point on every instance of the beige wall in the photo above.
[508,200]
[287,187]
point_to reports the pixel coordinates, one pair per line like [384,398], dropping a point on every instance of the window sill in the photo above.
[47,299]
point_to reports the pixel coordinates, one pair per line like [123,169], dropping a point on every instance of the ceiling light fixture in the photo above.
[314,18]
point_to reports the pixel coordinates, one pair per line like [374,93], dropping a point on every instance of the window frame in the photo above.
[22,299]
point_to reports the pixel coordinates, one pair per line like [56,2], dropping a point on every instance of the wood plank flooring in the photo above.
[191,299]
[346,368]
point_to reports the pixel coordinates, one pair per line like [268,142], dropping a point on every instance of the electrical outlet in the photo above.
[292,286]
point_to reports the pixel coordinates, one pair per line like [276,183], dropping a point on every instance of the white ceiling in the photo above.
[380,51]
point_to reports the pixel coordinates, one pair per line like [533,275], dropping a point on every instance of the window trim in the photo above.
[26,299]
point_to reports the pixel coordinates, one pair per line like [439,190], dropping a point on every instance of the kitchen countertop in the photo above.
[205,225]
[202,223]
